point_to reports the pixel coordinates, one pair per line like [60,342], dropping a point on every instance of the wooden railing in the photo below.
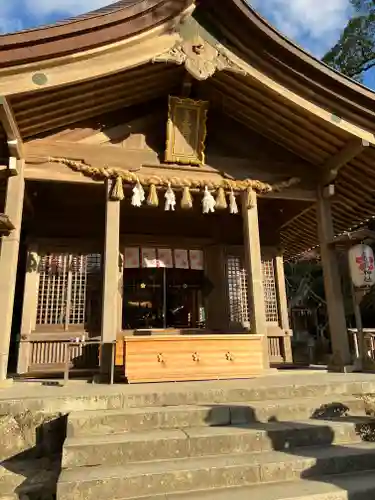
[52,354]
[275,349]
[369,334]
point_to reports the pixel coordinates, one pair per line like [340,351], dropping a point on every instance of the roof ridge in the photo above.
[110,8]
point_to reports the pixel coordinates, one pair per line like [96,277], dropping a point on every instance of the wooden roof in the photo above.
[111,24]
[58,75]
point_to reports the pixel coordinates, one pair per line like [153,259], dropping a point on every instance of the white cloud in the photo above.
[20,14]
[8,21]
[68,7]
[10,24]
[314,24]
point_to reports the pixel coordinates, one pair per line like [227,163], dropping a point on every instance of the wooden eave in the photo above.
[254,40]
[108,25]
[281,92]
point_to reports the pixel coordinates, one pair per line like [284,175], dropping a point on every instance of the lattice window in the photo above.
[53,288]
[63,283]
[238,286]
[78,290]
[237,291]
[270,292]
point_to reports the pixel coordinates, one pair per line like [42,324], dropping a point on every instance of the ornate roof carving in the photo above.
[201,54]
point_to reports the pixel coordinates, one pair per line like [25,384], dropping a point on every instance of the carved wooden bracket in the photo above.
[201,59]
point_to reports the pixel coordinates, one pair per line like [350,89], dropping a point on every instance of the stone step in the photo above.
[358,486]
[94,422]
[139,419]
[186,475]
[117,449]
[34,476]
[77,396]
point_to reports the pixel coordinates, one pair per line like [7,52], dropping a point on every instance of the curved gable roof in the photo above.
[259,43]
[107,25]
[237,25]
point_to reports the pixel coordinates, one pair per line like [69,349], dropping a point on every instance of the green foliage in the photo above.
[354,53]
[304,281]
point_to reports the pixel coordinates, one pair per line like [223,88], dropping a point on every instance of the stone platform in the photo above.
[294,435]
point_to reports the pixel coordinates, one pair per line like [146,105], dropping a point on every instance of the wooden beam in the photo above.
[353,237]
[38,167]
[8,120]
[292,194]
[331,168]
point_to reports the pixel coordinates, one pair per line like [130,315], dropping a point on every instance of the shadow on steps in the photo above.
[31,452]
[323,470]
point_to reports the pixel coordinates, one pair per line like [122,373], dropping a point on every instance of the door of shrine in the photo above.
[163,289]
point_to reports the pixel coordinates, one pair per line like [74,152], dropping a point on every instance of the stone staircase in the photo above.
[306,443]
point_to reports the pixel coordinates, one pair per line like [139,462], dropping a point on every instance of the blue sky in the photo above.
[314,28]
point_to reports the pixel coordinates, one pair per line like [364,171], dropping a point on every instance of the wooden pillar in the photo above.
[253,265]
[110,302]
[332,284]
[29,308]
[282,303]
[9,263]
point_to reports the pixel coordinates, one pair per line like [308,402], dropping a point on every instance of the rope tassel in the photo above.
[208,202]
[221,201]
[138,195]
[153,200]
[186,200]
[233,208]
[170,199]
[117,193]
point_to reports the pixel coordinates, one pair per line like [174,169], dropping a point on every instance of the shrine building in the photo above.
[159,161]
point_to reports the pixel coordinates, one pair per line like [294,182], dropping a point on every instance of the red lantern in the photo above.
[362,268]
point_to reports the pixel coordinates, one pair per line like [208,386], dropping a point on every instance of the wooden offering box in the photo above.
[163,358]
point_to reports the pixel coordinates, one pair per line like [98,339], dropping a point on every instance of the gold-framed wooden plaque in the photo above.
[186,131]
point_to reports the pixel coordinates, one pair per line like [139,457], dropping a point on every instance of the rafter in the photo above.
[331,168]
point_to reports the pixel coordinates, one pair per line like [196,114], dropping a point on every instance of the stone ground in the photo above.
[52,388]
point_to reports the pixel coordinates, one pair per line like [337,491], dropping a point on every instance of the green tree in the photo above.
[354,53]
